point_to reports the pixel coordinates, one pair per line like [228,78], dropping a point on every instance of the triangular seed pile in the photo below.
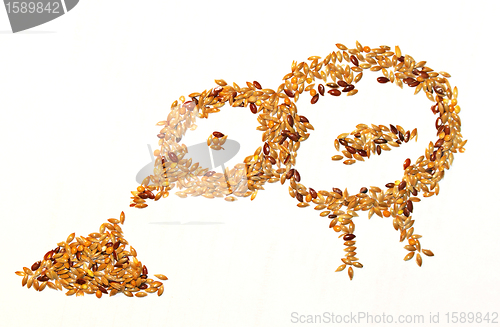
[97,264]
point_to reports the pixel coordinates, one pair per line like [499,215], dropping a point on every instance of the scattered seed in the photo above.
[382,80]
[315,99]
[428,253]
[419,260]
[409,256]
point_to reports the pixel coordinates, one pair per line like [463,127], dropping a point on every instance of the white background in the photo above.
[80,97]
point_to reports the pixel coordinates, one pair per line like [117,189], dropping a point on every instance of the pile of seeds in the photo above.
[98,264]
[283,130]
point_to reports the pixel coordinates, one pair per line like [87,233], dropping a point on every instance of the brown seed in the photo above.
[299,197]
[190,105]
[401,136]
[321,89]
[48,255]
[289,93]
[303,119]
[354,60]
[407,136]
[218,134]
[389,185]
[363,190]
[342,83]
[423,74]
[257,85]
[335,92]
[289,120]
[293,136]
[407,163]
[313,193]
[394,130]
[350,149]
[379,150]
[362,153]
[173,157]
[253,108]
[382,80]
[402,185]
[409,205]
[296,175]
[271,159]
[348,88]
[266,149]
[315,99]
[348,237]
[35,266]
[43,278]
